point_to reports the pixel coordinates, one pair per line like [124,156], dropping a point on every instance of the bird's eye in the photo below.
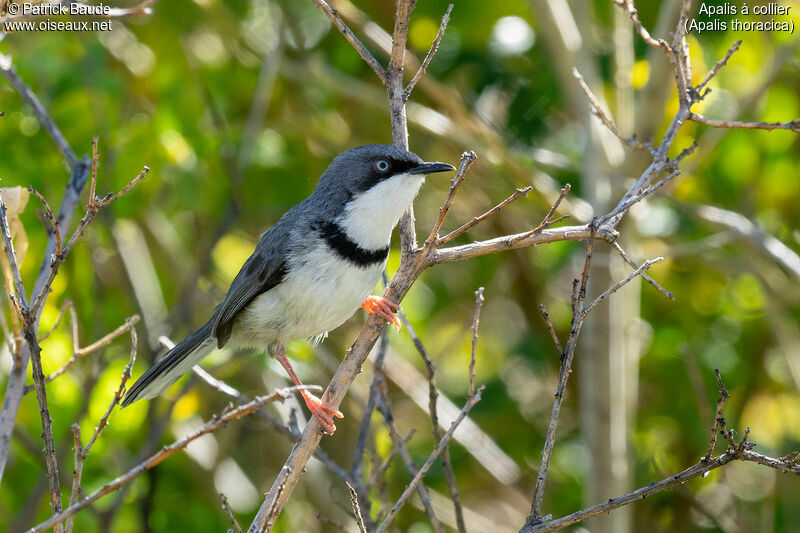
[382,165]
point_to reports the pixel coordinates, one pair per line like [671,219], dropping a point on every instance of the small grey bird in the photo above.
[310,271]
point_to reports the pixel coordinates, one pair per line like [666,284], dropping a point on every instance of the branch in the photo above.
[216,422]
[431,458]
[667,294]
[737,452]
[516,241]
[81,453]
[608,292]
[356,511]
[352,39]
[229,512]
[467,158]
[431,52]
[519,193]
[578,296]
[399,442]
[20,302]
[793,125]
[433,400]
[713,72]
[78,354]
[7,69]
[718,420]
[599,112]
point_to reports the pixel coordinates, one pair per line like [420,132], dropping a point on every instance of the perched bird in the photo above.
[310,271]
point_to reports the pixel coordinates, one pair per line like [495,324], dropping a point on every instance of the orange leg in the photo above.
[322,411]
[383,308]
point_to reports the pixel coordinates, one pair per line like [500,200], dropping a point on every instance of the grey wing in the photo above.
[261,272]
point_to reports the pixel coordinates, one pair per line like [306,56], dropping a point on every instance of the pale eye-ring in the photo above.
[382,165]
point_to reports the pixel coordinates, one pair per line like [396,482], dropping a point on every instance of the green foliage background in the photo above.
[173,91]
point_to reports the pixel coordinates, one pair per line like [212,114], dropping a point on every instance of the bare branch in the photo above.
[384,408]
[476,318]
[713,72]
[433,400]
[519,240]
[229,513]
[431,458]
[356,511]
[431,52]
[467,158]
[82,352]
[95,204]
[365,54]
[551,329]
[623,207]
[719,421]
[519,193]
[547,221]
[599,112]
[608,292]
[216,422]
[7,69]
[793,125]
[578,296]
[50,217]
[667,294]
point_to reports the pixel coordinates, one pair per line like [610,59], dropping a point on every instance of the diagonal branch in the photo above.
[216,422]
[365,54]
[431,52]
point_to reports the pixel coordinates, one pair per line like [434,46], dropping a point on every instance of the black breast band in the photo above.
[346,248]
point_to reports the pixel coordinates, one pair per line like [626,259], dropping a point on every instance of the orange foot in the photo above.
[383,308]
[322,411]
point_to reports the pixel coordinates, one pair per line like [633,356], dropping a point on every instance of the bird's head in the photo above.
[377,183]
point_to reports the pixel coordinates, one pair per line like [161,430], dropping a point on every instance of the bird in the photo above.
[309,272]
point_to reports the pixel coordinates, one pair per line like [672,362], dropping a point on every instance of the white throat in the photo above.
[370,217]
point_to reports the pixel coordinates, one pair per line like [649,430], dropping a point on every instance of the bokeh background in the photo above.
[237,106]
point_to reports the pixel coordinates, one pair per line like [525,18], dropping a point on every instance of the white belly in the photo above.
[308,302]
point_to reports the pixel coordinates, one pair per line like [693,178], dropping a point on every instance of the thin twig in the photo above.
[91,212]
[467,158]
[713,72]
[793,125]
[578,296]
[50,217]
[229,513]
[519,193]
[431,52]
[600,113]
[78,354]
[216,422]
[476,318]
[611,290]
[551,329]
[356,511]
[547,220]
[667,294]
[433,402]
[623,207]
[431,458]
[7,69]
[384,407]
[365,54]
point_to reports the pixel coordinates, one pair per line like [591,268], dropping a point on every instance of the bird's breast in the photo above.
[320,291]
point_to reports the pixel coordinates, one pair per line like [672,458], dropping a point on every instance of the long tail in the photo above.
[172,366]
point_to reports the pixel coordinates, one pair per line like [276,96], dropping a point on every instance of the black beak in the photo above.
[429,168]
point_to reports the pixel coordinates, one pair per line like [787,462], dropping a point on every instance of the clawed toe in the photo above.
[323,412]
[384,308]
